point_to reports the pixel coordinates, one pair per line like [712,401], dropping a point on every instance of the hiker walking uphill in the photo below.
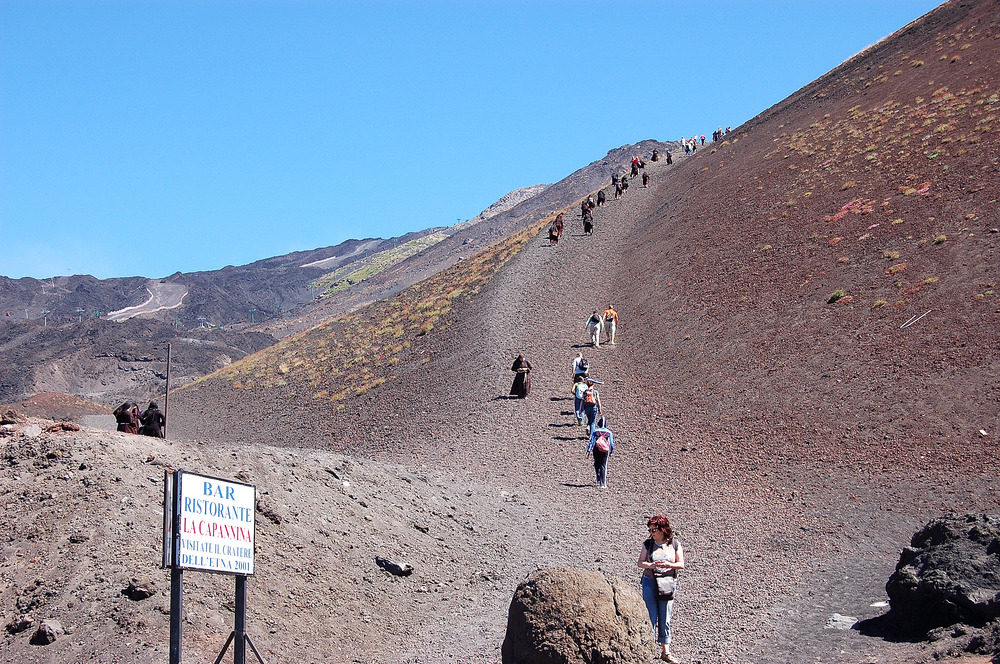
[581,366]
[610,323]
[591,404]
[594,325]
[602,446]
[522,377]
[579,387]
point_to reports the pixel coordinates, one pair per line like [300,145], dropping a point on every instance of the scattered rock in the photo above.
[837,621]
[47,633]
[268,512]
[139,588]
[62,426]
[573,616]
[31,431]
[949,574]
[20,623]
[12,417]
[391,567]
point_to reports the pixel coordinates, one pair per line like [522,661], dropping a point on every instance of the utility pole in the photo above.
[251,315]
[45,313]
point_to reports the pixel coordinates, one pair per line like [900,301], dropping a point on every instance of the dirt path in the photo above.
[162,296]
[776,545]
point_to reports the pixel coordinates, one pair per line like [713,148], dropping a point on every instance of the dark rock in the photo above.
[19,624]
[393,567]
[949,574]
[268,512]
[139,588]
[62,426]
[47,633]
[573,616]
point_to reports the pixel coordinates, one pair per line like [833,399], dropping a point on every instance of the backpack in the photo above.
[584,365]
[609,317]
[602,444]
[595,319]
[589,397]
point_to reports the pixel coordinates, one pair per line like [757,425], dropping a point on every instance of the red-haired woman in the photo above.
[660,559]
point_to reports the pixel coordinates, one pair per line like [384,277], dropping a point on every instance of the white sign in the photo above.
[215,530]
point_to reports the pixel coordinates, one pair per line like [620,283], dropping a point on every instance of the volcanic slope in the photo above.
[796,442]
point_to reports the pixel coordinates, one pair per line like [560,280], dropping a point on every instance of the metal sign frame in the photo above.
[172,535]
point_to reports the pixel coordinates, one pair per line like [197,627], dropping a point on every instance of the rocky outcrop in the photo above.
[573,616]
[949,574]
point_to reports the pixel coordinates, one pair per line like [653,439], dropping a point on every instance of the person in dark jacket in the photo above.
[154,423]
[127,416]
[522,377]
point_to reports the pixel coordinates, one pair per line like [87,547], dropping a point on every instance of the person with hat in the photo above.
[591,403]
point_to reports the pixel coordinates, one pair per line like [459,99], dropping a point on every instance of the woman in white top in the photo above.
[661,556]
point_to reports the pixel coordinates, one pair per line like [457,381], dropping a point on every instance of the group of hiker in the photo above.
[606,322]
[661,556]
[151,422]
[620,183]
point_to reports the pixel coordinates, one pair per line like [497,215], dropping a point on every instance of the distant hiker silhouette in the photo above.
[522,377]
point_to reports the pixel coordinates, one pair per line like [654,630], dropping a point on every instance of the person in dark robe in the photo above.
[127,417]
[645,179]
[656,155]
[522,377]
[670,159]
[154,423]
[588,222]
[601,198]
[553,235]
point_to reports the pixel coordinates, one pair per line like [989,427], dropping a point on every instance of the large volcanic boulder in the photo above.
[573,616]
[949,574]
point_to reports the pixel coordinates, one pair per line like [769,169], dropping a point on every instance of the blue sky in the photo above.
[143,138]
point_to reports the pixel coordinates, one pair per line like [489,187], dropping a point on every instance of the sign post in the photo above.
[209,526]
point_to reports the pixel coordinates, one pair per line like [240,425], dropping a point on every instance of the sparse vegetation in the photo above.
[941,239]
[836,295]
[370,341]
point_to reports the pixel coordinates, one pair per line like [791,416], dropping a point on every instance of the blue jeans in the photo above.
[591,412]
[659,610]
[578,408]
